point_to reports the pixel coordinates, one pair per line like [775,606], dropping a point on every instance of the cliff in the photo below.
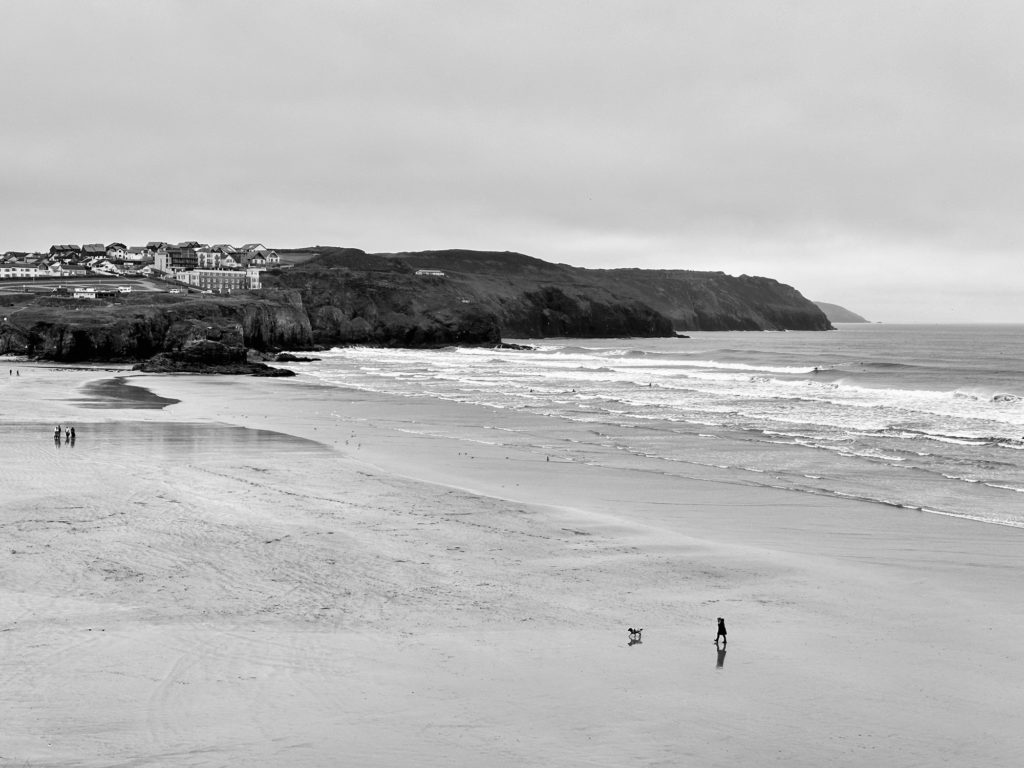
[352,297]
[146,324]
[535,298]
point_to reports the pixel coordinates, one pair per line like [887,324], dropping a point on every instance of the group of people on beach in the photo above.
[68,432]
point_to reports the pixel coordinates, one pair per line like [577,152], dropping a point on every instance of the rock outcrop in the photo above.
[213,357]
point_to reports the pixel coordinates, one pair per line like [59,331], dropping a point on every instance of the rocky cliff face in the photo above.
[75,330]
[714,301]
[354,298]
[535,298]
[357,298]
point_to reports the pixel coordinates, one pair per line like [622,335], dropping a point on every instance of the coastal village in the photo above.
[221,268]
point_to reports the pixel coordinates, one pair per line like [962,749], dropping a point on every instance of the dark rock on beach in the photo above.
[210,357]
[510,345]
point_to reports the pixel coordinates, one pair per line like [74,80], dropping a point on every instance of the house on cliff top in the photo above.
[221,280]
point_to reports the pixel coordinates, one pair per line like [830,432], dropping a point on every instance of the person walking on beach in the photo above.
[72,434]
[56,433]
[721,632]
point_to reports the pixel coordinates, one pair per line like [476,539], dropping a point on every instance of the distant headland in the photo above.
[837,314]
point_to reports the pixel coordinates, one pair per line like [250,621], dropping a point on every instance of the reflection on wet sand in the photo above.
[191,440]
[126,442]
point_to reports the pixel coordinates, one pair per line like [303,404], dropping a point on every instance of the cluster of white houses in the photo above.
[220,268]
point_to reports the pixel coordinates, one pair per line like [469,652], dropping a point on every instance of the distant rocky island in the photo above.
[837,314]
[323,296]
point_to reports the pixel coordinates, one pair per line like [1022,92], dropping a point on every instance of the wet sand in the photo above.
[269,573]
[119,393]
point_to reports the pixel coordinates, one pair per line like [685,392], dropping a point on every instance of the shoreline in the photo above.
[428,592]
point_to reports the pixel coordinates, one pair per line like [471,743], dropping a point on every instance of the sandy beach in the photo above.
[239,571]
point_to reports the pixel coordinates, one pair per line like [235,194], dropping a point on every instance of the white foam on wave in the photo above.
[849,421]
[957,440]
[1002,487]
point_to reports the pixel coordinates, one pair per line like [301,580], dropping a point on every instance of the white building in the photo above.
[221,280]
[18,269]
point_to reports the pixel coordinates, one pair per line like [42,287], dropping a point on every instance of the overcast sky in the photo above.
[870,154]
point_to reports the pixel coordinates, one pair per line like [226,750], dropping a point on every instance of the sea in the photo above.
[917,417]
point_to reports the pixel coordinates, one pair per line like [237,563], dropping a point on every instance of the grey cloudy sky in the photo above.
[869,153]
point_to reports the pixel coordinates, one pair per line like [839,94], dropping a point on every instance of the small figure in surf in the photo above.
[56,432]
[721,632]
[72,434]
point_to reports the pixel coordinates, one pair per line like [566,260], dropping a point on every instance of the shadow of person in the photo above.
[721,656]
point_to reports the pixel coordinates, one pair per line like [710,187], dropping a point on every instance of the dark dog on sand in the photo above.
[635,635]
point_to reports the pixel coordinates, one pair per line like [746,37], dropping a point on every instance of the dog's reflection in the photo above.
[636,636]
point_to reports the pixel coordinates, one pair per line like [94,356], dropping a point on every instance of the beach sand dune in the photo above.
[264,573]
